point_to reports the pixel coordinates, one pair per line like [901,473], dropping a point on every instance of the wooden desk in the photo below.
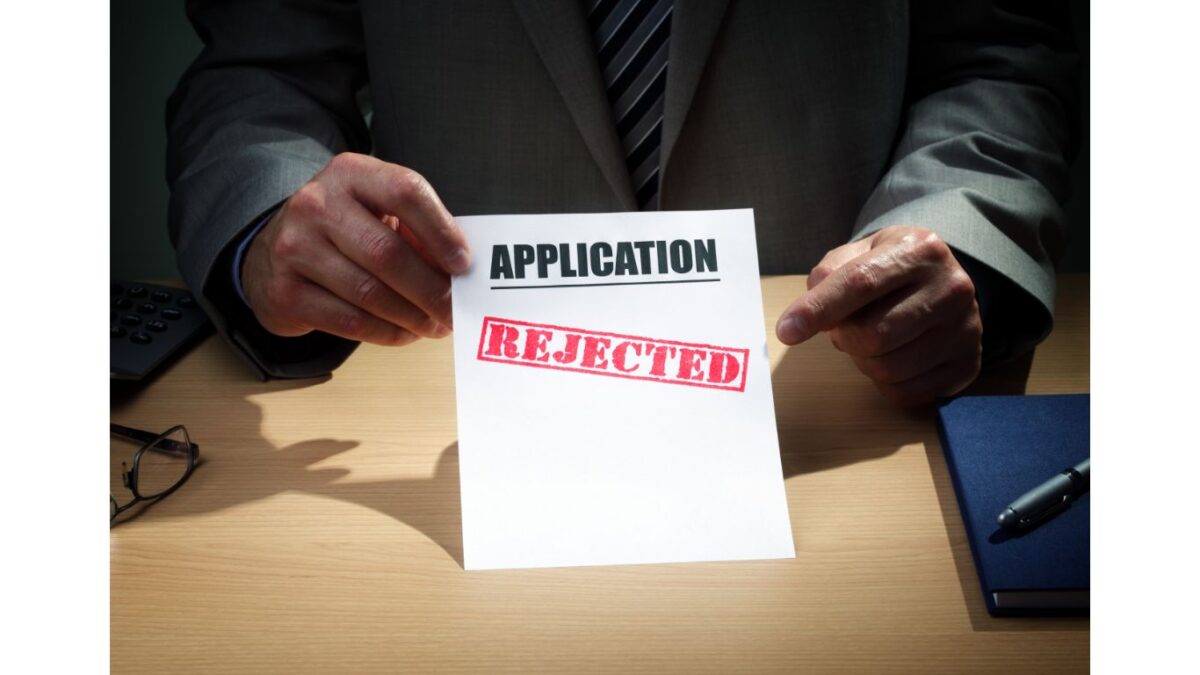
[323,533]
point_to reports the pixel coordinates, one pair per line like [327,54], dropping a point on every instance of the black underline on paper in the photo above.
[610,283]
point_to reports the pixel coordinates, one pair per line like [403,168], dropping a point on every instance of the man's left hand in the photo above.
[900,305]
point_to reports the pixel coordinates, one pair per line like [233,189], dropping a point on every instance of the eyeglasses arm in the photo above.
[146,438]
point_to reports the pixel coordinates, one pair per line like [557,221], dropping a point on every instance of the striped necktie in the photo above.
[632,37]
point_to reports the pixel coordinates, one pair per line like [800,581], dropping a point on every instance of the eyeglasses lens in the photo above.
[162,465]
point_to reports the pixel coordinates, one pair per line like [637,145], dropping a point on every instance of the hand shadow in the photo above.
[813,438]
[239,466]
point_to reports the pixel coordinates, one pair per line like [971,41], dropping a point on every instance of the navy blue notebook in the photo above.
[997,448]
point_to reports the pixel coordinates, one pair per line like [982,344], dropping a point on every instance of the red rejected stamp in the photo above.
[612,354]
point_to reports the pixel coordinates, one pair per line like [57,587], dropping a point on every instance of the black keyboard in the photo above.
[150,324]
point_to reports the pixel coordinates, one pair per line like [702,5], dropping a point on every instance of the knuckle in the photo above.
[367,291]
[810,310]
[351,323]
[923,313]
[960,288]
[428,326]
[861,279]
[437,302]
[928,247]
[975,329]
[287,243]
[822,270]
[308,201]
[345,161]
[875,337]
[972,343]
[866,339]
[400,337]
[382,250]
[409,185]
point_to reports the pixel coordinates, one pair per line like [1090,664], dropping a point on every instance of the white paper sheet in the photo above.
[599,453]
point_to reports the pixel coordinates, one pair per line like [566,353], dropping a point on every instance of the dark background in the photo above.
[152,44]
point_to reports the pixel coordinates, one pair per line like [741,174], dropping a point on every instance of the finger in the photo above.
[933,348]
[946,379]
[321,310]
[387,188]
[330,269]
[855,284]
[880,327]
[835,259]
[898,318]
[376,248]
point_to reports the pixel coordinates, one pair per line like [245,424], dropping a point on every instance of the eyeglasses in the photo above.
[162,463]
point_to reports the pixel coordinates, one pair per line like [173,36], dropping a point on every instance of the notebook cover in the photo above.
[997,448]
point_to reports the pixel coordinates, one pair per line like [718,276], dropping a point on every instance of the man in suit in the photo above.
[912,152]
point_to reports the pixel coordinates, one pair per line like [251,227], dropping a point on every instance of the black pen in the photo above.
[1046,499]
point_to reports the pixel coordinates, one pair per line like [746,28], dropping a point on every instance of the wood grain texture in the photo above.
[322,533]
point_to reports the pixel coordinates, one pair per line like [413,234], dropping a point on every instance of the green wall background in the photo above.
[152,44]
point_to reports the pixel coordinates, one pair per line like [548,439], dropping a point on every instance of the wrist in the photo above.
[243,247]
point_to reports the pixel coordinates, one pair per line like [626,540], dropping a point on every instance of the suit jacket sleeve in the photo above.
[269,101]
[981,160]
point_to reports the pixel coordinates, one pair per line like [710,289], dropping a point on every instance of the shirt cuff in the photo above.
[981,277]
[239,255]
[995,342]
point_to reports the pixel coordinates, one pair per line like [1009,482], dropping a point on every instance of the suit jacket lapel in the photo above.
[693,30]
[560,34]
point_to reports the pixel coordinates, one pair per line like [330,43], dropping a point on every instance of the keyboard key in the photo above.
[140,337]
[160,296]
[172,314]
[131,319]
[137,291]
[122,303]
[117,331]
[156,325]
[147,308]
[186,300]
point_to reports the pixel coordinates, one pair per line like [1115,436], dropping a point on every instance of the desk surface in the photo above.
[323,533]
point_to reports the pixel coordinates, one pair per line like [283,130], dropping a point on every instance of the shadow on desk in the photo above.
[240,467]
[815,438]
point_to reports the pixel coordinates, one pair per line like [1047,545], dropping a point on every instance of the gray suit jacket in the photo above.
[831,119]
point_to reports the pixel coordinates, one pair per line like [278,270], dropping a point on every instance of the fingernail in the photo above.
[441,331]
[791,330]
[458,262]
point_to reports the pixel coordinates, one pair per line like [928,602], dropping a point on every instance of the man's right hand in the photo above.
[363,251]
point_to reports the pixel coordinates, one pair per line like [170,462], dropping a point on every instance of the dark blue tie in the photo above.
[632,38]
